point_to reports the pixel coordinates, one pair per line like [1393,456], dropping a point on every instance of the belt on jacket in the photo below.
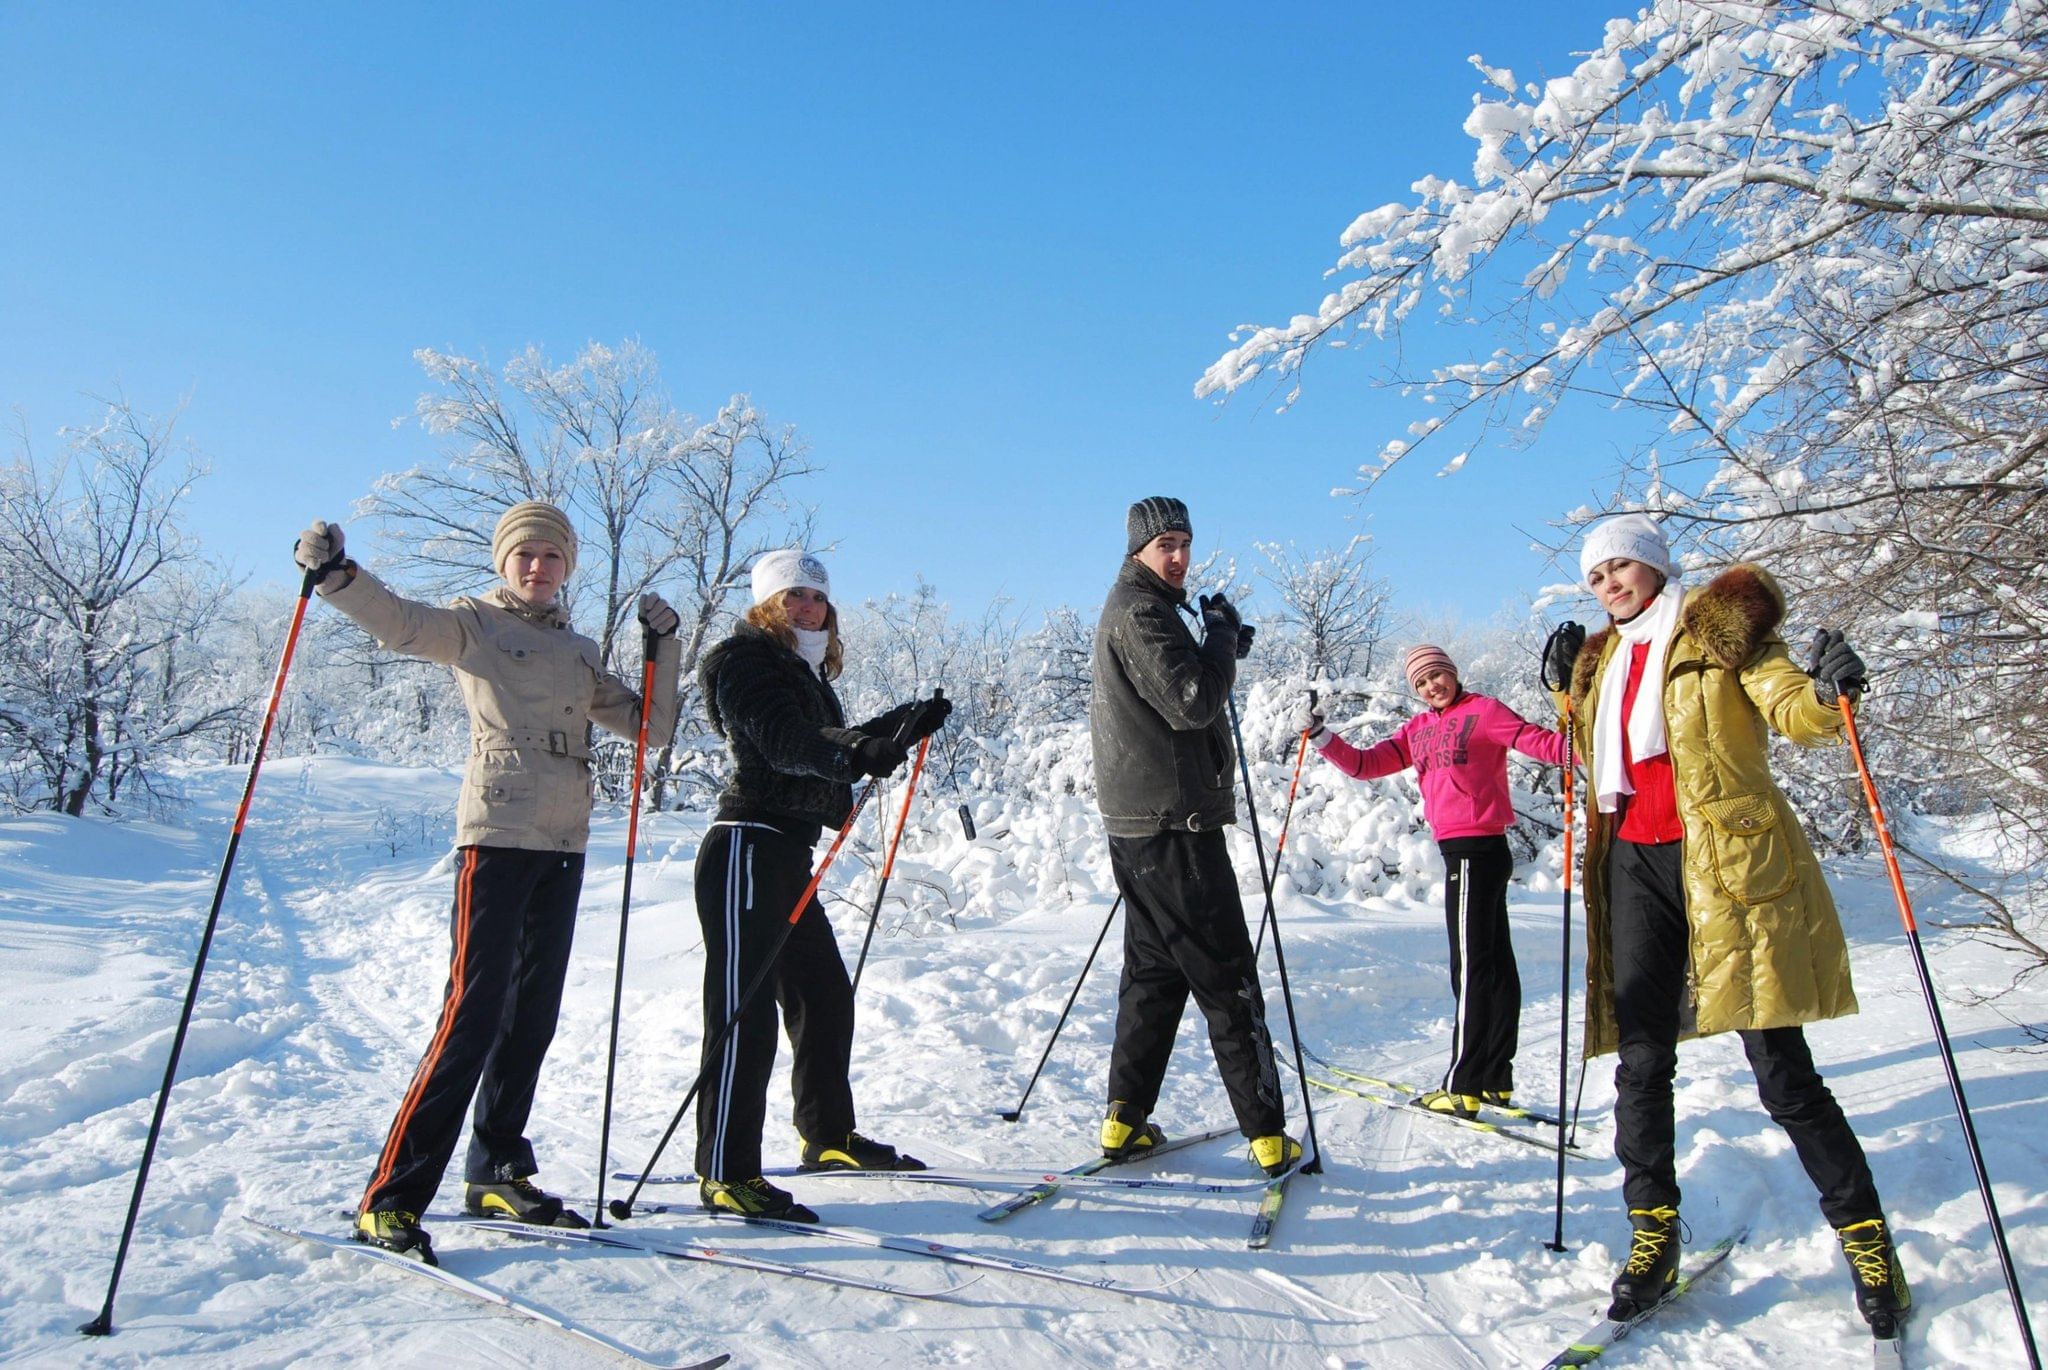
[556,742]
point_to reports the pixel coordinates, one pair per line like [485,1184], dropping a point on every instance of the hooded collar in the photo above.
[543,616]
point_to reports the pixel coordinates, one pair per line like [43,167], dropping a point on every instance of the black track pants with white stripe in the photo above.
[1487,1025]
[748,878]
[510,929]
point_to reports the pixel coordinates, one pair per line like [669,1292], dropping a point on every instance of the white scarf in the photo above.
[1654,625]
[811,644]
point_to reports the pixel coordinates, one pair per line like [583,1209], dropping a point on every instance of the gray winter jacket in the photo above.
[532,685]
[1163,758]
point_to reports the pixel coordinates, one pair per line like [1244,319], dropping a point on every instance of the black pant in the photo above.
[1484,977]
[748,878]
[1648,934]
[513,920]
[1184,933]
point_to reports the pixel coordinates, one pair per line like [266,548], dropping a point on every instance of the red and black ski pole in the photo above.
[1948,1056]
[889,862]
[103,1325]
[1014,1114]
[650,643]
[622,1209]
[1286,818]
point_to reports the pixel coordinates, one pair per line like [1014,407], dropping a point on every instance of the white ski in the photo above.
[484,1293]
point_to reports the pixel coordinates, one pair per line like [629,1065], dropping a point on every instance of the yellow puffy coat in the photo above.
[1767,946]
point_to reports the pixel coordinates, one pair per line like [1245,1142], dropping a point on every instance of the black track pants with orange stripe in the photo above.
[748,878]
[512,924]
[1486,1030]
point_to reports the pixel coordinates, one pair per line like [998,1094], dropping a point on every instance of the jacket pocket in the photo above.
[1752,858]
[505,801]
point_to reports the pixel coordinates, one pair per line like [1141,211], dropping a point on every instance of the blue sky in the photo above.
[979,255]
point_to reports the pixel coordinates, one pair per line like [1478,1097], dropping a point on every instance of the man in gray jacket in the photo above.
[1166,783]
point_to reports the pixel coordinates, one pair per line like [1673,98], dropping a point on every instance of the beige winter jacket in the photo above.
[531,685]
[1766,942]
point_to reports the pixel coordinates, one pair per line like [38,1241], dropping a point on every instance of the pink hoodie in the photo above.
[1460,756]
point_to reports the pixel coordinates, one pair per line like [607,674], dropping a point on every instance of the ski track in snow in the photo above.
[1419,1246]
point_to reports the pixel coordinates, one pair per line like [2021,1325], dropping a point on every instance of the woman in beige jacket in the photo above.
[532,686]
[1706,911]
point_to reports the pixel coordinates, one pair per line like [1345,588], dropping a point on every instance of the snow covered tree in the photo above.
[660,502]
[1333,612]
[901,646]
[104,604]
[1808,243]
[1062,655]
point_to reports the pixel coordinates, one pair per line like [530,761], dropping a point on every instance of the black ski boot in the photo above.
[521,1201]
[1652,1265]
[855,1152]
[755,1198]
[1881,1293]
[394,1231]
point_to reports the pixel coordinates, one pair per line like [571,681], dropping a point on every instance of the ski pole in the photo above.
[889,862]
[1012,1115]
[622,1209]
[1314,1164]
[1948,1056]
[1564,978]
[103,1325]
[649,643]
[1286,818]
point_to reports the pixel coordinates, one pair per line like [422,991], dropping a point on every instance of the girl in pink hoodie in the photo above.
[1458,748]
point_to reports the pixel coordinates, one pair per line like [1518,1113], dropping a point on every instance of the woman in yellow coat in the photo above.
[1706,910]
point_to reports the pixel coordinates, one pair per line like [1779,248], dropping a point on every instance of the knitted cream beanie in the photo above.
[533,520]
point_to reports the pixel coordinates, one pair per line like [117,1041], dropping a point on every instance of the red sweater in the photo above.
[1651,813]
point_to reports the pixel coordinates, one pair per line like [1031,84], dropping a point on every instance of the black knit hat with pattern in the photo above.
[1154,515]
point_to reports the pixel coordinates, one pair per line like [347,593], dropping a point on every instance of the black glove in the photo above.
[877,756]
[1219,615]
[1560,654]
[930,716]
[1244,640]
[1836,669]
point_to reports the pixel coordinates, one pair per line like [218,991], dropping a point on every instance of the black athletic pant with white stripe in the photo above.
[510,929]
[748,878]
[1488,985]
[1184,934]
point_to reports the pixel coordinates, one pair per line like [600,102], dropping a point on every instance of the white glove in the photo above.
[657,616]
[320,545]
[1309,719]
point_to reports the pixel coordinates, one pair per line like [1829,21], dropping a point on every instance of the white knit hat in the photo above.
[786,569]
[1633,536]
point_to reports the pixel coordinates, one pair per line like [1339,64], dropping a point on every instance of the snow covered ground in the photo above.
[1419,1246]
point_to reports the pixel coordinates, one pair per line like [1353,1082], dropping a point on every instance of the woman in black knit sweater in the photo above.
[768,690]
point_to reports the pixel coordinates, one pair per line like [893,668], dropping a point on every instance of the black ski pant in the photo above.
[1184,934]
[1648,935]
[749,876]
[513,921]
[1484,977]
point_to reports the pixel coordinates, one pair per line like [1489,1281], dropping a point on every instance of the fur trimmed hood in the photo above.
[1731,617]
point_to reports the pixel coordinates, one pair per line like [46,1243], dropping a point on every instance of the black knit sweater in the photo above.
[792,752]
